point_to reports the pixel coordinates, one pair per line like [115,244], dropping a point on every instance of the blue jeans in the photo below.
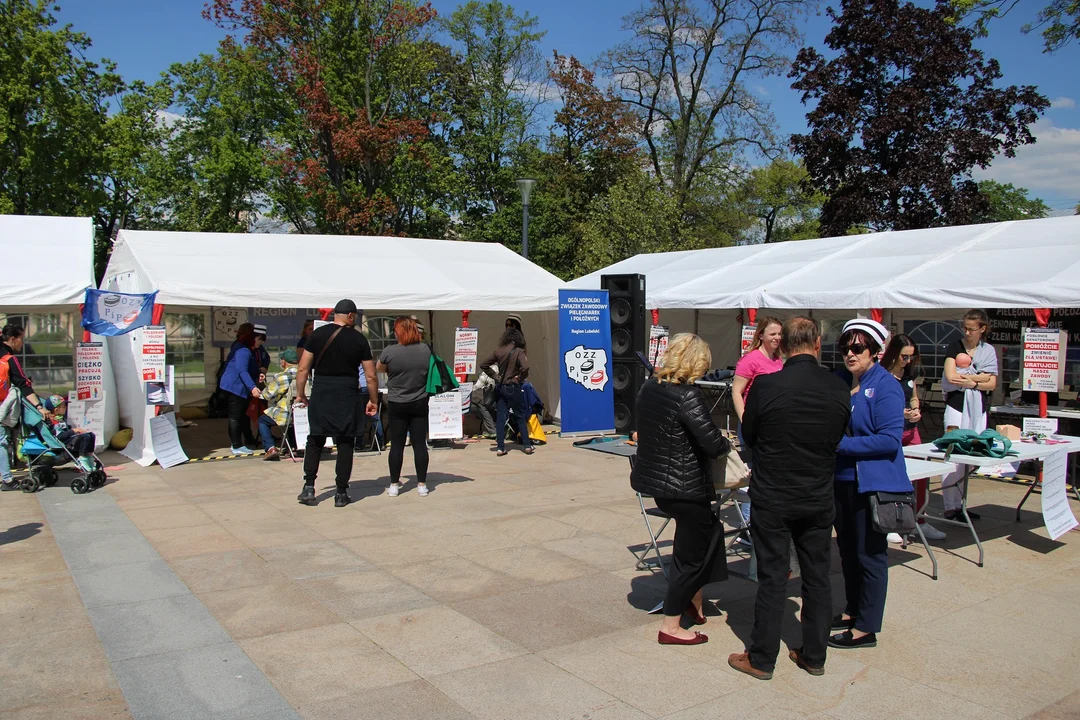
[266,428]
[511,397]
[5,462]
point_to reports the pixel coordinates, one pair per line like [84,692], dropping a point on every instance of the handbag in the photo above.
[440,379]
[893,512]
[988,443]
[729,472]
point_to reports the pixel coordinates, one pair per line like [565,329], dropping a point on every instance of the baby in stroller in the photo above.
[78,440]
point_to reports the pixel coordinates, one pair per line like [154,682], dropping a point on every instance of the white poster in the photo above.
[165,441]
[465,389]
[466,341]
[226,322]
[1040,426]
[444,416]
[316,324]
[1044,359]
[302,427]
[747,337]
[658,342]
[162,393]
[88,415]
[1057,515]
[89,369]
[153,353]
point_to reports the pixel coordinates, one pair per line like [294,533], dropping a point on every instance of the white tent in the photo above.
[390,275]
[50,263]
[1022,264]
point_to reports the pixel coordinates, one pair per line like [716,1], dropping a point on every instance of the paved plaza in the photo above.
[206,591]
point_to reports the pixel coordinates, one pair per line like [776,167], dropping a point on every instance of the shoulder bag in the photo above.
[729,472]
[324,348]
[893,512]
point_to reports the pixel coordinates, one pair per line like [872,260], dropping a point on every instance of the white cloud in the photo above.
[1047,168]
[168,119]
[1062,102]
[760,90]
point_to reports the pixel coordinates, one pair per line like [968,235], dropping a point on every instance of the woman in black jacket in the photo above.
[676,439]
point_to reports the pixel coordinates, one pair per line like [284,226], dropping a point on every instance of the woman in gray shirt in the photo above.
[406,367]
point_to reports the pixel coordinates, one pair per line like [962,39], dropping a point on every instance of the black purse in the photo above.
[893,512]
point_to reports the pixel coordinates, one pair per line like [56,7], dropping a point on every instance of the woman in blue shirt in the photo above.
[239,381]
[869,459]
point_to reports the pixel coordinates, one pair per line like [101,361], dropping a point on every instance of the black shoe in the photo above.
[9,486]
[958,516]
[847,639]
[342,499]
[839,623]
[307,495]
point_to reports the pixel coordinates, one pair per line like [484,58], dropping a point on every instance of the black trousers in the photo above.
[864,557]
[81,444]
[773,532]
[511,397]
[408,419]
[313,454]
[238,419]
[697,553]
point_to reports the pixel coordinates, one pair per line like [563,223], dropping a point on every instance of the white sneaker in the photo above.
[241,451]
[393,490]
[895,539]
[422,490]
[932,533]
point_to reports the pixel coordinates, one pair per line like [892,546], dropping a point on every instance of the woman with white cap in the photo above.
[870,459]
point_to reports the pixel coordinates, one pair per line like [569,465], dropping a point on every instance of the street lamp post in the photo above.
[525,185]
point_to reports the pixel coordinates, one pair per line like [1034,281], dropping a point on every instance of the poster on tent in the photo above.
[89,371]
[87,414]
[283,325]
[1044,359]
[747,338]
[444,416]
[152,355]
[162,393]
[588,397]
[466,341]
[658,342]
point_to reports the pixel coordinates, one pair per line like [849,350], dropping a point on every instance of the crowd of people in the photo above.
[822,445]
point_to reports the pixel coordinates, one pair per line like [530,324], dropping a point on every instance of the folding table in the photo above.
[721,389]
[923,470]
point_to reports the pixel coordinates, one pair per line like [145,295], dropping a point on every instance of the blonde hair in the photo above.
[686,359]
[763,325]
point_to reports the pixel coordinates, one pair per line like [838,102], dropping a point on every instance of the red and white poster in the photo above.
[658,342]
[1044,359]
[89,369]
[747,337]
[153,353]
[466,341]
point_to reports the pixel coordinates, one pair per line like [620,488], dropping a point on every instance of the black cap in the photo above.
[344,307]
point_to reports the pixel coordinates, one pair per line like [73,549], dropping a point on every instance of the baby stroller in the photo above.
[44,453]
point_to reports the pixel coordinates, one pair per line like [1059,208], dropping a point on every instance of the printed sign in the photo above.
[302,427]
[165,441]
[1007,325]
[588,395]
[658,342]
[1057,515]
[444,416]
[465,344]
[1040,426]
[162,393]
[1044,359]
[283,325]
[88,416]
[747,337]
[153,353]
[466,389]
[89,369]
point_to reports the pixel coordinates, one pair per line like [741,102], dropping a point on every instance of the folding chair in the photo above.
[643,560]
[285,444]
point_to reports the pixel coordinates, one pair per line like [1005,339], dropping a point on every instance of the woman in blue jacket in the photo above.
[869,459]
[239,381]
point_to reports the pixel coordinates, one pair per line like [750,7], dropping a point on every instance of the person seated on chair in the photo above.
[483,403]
[79,441]
[279,393]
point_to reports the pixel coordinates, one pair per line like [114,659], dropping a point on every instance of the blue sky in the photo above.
[144,37]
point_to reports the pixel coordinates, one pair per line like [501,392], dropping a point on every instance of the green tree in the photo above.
[1007,202]
[780,196]
[1059,20]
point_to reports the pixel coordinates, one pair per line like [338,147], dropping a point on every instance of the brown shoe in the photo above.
[741,662]
[273,455]
[797,658]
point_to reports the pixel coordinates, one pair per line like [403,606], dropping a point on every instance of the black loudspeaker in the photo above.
[629,335]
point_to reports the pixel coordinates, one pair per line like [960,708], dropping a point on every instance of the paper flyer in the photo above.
[444,416]
[165,441]
[1057,514]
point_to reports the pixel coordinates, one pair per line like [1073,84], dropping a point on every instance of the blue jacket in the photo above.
[873,447]
[240,370]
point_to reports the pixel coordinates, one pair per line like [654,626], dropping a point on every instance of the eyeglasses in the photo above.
[855,348]
[907,358]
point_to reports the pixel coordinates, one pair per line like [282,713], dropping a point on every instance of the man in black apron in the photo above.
[334,355]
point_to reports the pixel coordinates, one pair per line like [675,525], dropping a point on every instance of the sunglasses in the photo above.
[856,348]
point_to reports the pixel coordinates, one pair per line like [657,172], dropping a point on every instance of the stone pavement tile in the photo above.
[411,516]
[534,500]
[217,681]
[271,532]
[757,702]
[991,680]
[454,579]
[324,663]
[1065,585]
[25,535]
[169,516]
[436,640]
[395,547]
[96,523]
[246,509]
[533,565]
[39,566]
[186,541]
[106,550]
[339,525]
[611,599]
[631,665]
[132,582]
[264,609]
[466,538]
[472,508]
[48,667]
[157,626]
[534,621]
[597,520]
[532,529]
[364,594]
[1024,642]
[150,499]
[311,560]
[224,571]
[1035,608]
[416,700]
[41,606]
[108,705]
[596,550]
[1068,708]
[530,688]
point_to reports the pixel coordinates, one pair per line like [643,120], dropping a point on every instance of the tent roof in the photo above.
[308,271]
[1028,263]
[58,261]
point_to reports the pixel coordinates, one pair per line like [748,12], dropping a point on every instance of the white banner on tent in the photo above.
[153,353]
[166,441]
[444,416]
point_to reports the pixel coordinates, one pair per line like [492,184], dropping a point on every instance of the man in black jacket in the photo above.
[793,423]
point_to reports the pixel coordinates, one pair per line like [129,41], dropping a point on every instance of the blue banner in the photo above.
[588,398]
[283,325]
[114,313]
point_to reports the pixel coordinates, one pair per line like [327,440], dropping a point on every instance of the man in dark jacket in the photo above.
[793,422]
